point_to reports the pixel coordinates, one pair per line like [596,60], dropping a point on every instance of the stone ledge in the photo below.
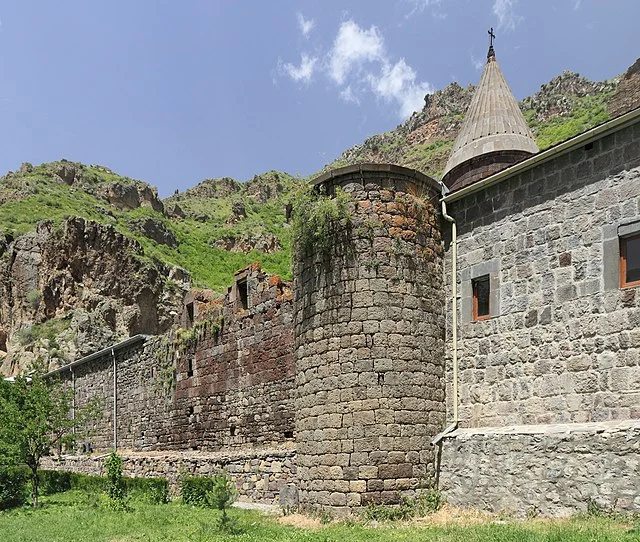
[547,429]
[218,457]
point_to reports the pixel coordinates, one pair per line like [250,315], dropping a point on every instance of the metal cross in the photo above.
[491,37]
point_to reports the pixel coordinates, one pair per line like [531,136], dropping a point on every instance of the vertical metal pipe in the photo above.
[454,301]
[115,403]
[73,399]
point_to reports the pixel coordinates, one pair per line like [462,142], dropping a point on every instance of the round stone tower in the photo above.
[369,342]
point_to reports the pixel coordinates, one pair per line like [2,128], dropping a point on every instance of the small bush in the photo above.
[34,298]
[151,490]
[116,486]
[54,481]
[13,486]
[426,503]
[194,489]
[221,497]
[318,218]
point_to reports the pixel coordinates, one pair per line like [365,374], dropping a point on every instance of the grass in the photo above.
[75,516]
[37,195]
[587,112]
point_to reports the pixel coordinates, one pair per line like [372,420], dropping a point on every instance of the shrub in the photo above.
[87,482]
[34,297]
[116,487]
[221,497]
[194,489]
[13,486]
[318,218]
[151,490]
[426,503]
[54,481]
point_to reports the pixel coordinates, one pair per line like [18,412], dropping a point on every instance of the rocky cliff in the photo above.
[69,290]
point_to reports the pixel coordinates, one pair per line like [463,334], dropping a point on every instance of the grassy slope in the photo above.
[38,196]
[69,517]
[587,112]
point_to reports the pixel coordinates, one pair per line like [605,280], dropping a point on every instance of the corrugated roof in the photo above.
[494,121]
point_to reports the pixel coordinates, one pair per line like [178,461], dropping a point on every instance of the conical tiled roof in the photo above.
[494,121]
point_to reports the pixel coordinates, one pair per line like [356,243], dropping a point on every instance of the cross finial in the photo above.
[491,54]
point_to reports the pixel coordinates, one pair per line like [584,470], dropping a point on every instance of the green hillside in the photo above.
[39,193]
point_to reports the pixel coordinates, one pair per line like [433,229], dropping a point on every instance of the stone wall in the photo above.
[552,470]
[369,328]
[563,340]
[241,388]
[259,475]
[225,383]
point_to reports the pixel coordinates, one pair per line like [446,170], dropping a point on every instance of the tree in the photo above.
[34,418]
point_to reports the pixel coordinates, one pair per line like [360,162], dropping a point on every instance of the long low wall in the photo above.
[553,470]
[260,475]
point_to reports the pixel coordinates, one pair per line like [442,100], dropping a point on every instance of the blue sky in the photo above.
[174,92]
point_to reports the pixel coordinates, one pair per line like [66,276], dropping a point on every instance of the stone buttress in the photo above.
[369,343]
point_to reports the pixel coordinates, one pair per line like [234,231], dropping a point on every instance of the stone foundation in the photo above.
[553,470]
[260,475]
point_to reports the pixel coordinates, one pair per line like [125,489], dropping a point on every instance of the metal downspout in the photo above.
[115,404]
[73,400]
[454,302]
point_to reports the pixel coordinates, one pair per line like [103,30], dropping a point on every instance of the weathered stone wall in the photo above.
[563,342]
[369,328]
[552,470]
[241,389]
[227,382]
[259,475]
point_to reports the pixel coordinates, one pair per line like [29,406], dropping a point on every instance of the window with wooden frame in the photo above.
[630,261]
[481,295]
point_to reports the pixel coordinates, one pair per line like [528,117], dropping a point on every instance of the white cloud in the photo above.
[348,95]
[421,5]
[352,47]
[358,64]
[477,63]
[504,10]
[306,25]
[304,71]
[397,83]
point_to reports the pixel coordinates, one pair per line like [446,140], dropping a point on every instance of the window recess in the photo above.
[481,296]
[630,261]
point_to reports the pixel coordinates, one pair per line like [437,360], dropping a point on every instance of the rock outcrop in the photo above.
[68,291]
[556,98]
[627,97]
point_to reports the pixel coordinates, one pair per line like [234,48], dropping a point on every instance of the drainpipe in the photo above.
[454,301]
[115,404]
[73,399]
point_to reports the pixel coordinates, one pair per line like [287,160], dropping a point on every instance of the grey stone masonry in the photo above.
[552,470]
[260,475]
[563,342]
[369,340]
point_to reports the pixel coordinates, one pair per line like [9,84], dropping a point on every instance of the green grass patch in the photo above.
[71,517]
[587,112]
[50,330]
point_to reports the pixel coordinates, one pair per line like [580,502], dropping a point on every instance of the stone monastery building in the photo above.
[480,336]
